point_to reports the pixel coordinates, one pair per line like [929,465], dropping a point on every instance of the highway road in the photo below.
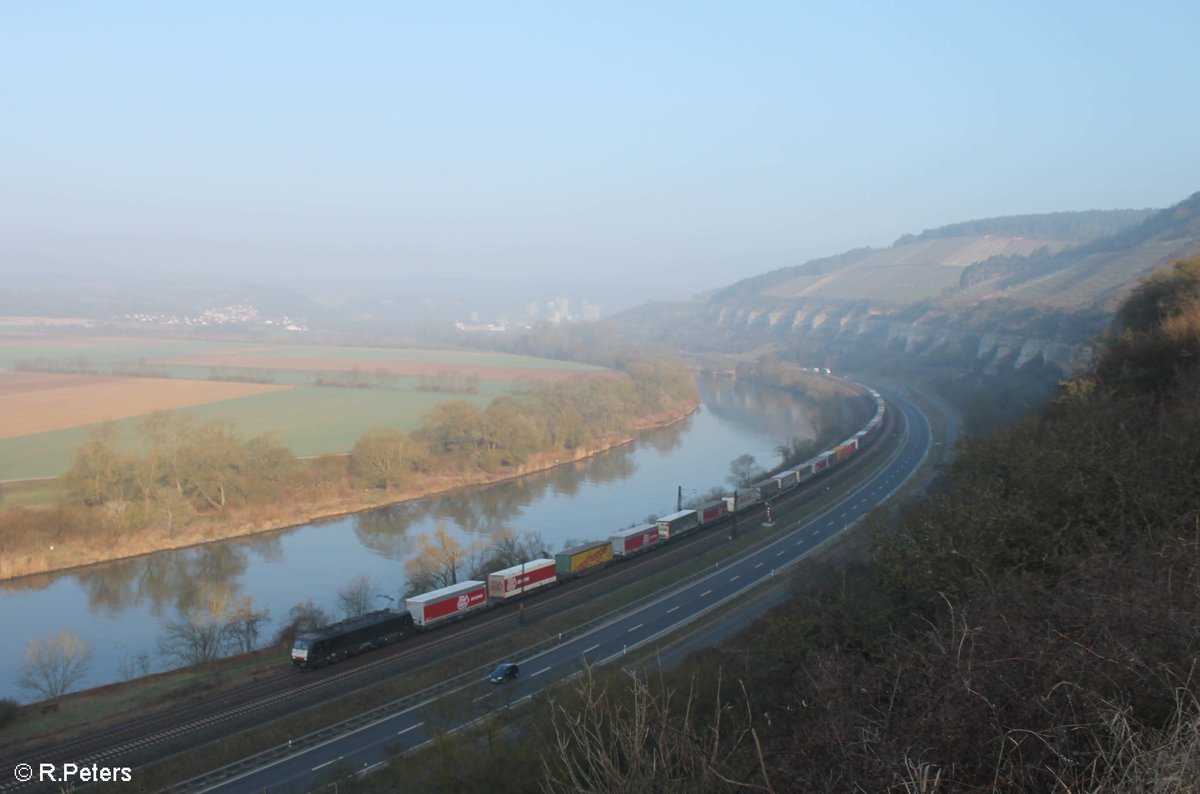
[370,745]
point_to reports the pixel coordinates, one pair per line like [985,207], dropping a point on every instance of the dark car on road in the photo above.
[503,672]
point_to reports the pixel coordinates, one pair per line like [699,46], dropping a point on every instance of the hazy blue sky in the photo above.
[685,143]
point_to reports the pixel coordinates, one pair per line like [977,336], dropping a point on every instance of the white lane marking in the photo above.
[589,650]
[635,628]
[368,769]
[327,763]
[759,565]
[410,728]
[539,672]
[734,579]
[706,592]
[672,609]
[779,554]
[482,697]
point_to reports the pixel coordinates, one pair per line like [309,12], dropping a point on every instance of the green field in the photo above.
[311,420]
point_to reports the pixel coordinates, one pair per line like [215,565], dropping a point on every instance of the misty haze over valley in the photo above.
[590,398]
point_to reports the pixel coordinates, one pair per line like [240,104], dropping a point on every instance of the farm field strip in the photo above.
[56,402]
[43,416]
[461,357]
[104,351]
[504,371]
[310,420]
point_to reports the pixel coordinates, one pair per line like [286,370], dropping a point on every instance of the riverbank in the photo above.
[322,499]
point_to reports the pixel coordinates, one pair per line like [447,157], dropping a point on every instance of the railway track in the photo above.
[155,736]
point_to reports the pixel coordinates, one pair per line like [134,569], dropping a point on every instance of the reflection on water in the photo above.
[782,414]
[386,531]
[169,582]
[120,607]
[484,510]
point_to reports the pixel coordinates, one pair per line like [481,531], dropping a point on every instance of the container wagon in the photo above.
[766,488]
[843,450]
[713,512]
[821,462]
[350,637]
[744,499]
[639,538]
[583,559]
[520,579]
[447,603]
[804,472]
[677,524]
[787,480]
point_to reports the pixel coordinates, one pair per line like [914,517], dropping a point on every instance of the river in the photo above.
[122,607]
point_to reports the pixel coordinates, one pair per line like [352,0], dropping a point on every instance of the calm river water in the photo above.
[121,607]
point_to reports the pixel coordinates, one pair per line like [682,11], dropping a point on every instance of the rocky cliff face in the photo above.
[861,333]
[991,296]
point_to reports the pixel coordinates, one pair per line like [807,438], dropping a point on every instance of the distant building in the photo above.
[495,328]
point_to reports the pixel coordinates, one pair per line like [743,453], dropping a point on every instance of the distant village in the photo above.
[237,314]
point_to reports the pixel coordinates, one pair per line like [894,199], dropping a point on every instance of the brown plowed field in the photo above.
[33,402]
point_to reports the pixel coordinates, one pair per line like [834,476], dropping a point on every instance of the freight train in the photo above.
[430,610]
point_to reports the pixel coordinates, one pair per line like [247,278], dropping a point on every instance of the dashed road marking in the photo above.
[327,763]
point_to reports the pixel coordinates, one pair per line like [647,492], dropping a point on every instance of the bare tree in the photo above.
[54,664]
[743,471]
[97,471]
[196,637]
[509,548]
[243,623]
[357,597]
[384,457]
[438,562]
